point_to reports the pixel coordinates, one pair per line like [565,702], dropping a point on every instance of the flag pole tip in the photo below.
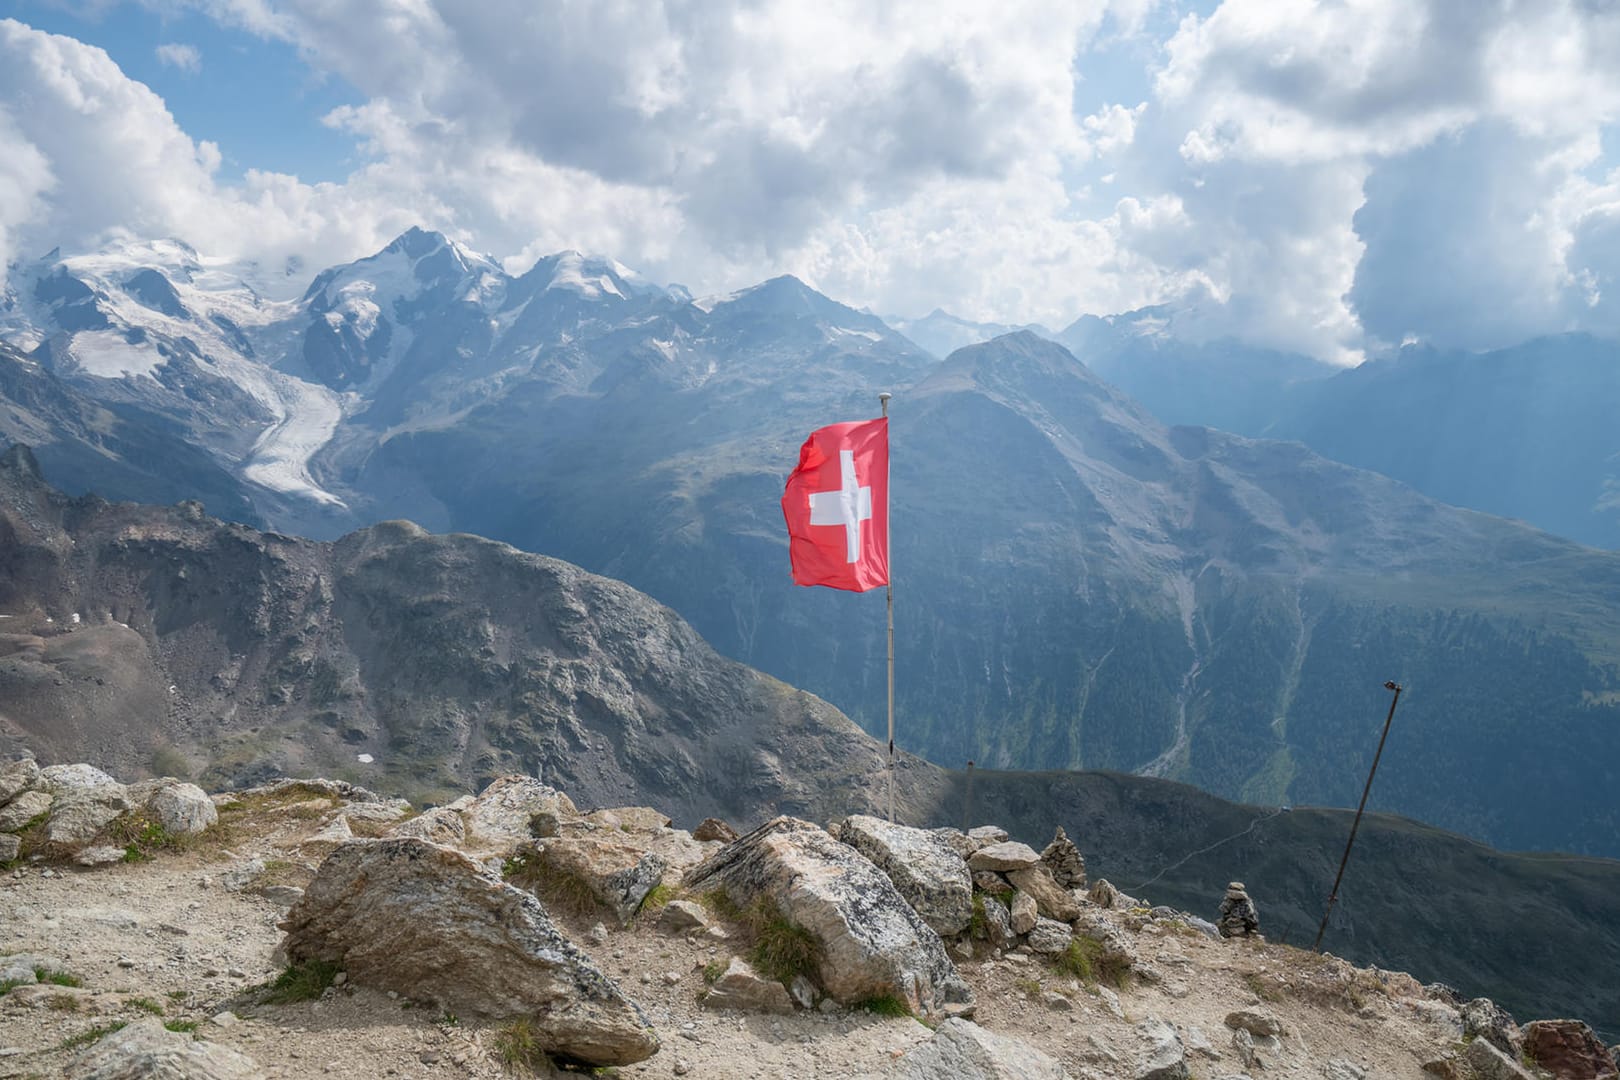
[884,396]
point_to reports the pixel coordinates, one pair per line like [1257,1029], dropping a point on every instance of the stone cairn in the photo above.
[1238,916]
[1068,866]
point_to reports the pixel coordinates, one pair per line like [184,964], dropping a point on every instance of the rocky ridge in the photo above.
[313,928]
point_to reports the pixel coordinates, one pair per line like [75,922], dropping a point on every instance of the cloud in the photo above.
[186,58]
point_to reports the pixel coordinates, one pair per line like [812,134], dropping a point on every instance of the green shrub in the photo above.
[183,1027]
[657,898]
[302,982]
[57,978]
[1086,960]
[884,1005]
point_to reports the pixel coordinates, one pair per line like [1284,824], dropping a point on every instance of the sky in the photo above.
[1332,178]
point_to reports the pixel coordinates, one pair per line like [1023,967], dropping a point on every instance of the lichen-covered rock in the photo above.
[1063,858]
[985,835]
[425,920]
[924,867]
[182,809]
[86,800]
[742,989]
[500,818]
[959,841]
[1486,1062]
[1254,1021]
[1002,857]
[17,777]
[146,1050]
[618,875]
[439,824]
[963,1050]
[1117,950]
[1049,937]
[1483,1018]
[1024,913]
[1165,1057]
[1568,1049]
[872,944]
[24,808]
[989,881]
[1054,901]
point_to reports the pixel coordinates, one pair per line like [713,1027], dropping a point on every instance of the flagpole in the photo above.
[883,399]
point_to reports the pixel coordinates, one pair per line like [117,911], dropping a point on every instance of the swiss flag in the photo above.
[837,507]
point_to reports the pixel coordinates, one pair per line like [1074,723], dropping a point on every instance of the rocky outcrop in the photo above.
[618,876]
[85,801]
[17,777]
[1238,917]
[1054,901]
[181,808]
[1569,1050]
[1165,1057]
[424,920]
[1482,1018]
[923,866]
[145,1050]
[501,817]
[963,1050]
[1486,1062]
[871,943]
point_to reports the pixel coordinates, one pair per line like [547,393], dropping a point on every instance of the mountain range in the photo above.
[1077,585]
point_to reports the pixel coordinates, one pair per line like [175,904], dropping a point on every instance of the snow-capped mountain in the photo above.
[942,333]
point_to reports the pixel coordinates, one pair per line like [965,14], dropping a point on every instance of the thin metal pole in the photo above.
[883,399]
[1333,898]
[967,803]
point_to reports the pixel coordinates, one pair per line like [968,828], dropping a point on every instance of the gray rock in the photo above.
[803,992]
[1243,1043]
[1007,855]
[439,824]
[1104,895]
[99,855]
[1238,917]
[1117,949]
[25,808]
[680,916]
[282,895]
[145,1050]
[985,835]
[872,944]
[1254,1021]
[10,845]
[1061,857]
[926,869]
[742,989]
[1056,1002]
[1489,1063]
[618,875]
[963,1050]
[17,777]
[62,779]
[1054,901]
[425,920]
[241,875]
[998,930]
[1049,937]
[989,881]
[1024,913]
[17,974]
[1340,1069]
[1165,1057]
[959,841]
[1484,1019]
[80,813]
[499,818]
[182,809]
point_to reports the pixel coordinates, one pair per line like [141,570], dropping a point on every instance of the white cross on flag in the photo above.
[837,507]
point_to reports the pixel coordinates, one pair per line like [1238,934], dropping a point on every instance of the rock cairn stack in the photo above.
[1063,858]
[1238,916]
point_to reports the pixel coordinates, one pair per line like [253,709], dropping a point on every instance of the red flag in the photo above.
[837,507]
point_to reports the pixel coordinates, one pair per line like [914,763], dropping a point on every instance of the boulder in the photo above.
[1254,1021]
[1483,1018]
[1343,1069]
[145,1050]
[78,814]
[99,855]
[963,1050]
[680,916]
[440,824]
[182,809]
[17,777]
[10,846]
[1002,857]
[998,928]
[1024,913]
[504,813]
[927,870]
[714,829]
[629,819]
[871,943]
[1104,895]
[1488,1063]
[1117,950]
[425,920]
[1165,1057]
[959,841]
[1568,1049]
[61,779]
[1050,937]
[1061,857]
[1054,901]
[985,835]
[24,808]
[1238,917]
[619,876]
[743,989]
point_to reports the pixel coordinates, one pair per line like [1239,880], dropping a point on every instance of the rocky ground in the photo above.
[187,934]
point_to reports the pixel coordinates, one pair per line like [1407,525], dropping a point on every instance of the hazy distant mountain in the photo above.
[941,333]
[1076,584]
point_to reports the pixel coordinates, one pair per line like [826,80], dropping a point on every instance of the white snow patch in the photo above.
[106,355]
[308,416]
[839,331]
[74,618]
[364,759]
[591,278]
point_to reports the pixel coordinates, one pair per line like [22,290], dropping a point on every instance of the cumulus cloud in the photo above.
[177,55]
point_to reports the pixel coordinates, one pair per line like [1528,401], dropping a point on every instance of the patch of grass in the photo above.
[58,978]
[141,837]
[62,1003]
[713,970]
[146,1004]
[1262,988]
[884,1005]
[85,1038]
[1030,987]
[449,1019]
[183,1027]
[559,889]
[718,902]
[782,948]
[8,985]
[978,925]
[179,995]
[517,1048]
[657,898]
[1087,961]
[302,982]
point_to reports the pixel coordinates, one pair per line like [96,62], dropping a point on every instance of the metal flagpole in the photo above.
[1356,824]
[888,494]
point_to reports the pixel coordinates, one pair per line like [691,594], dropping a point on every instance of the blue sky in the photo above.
[1331,177]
